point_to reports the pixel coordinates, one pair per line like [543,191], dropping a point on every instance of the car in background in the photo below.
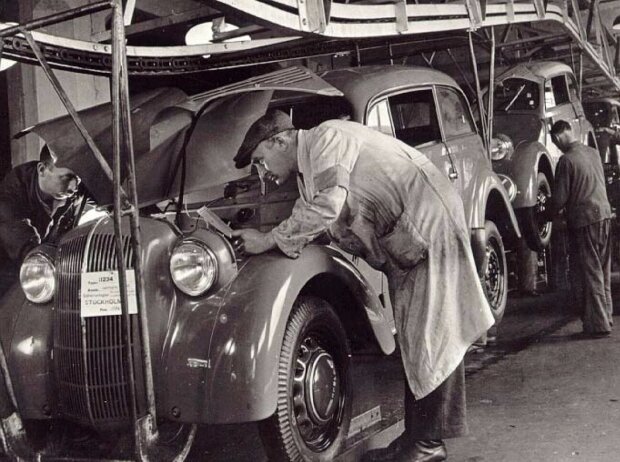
[234,338]
[528,98]
[427,110]
[604,113]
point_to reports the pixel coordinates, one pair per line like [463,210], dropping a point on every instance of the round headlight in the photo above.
[509,186]
[37,278]
[193,267]
[501,146]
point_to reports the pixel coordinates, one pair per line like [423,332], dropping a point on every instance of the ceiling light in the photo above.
[6,63]
[202,33]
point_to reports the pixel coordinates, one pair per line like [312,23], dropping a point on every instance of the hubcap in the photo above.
[493,277]
[317,397]
[544,226]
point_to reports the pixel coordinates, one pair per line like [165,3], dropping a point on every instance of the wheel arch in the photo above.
[347,305]
[544,166]
[501,213]
[523,167]
[494,205]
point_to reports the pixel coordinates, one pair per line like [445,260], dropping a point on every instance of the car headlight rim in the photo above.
[502,147]
[194,267]
[509,185]
[37,277]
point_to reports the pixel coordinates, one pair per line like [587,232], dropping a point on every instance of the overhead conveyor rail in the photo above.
[291,29]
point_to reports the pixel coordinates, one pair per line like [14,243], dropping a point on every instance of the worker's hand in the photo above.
[607,130]
[252,241]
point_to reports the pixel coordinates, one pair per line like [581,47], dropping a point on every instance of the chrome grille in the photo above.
[89,353]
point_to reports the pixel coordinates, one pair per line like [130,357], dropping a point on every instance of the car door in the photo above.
[463,143]
[558,106]
[580,114]
[414,120]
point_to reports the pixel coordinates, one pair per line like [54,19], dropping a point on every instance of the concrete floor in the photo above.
[557,400]
[541,394]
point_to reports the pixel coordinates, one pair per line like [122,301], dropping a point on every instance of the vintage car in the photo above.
[604,112]
[528,99]
[233,338]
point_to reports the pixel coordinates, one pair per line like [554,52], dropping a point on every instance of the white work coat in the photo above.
[386,202]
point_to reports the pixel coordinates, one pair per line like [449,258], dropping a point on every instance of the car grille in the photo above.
[89,353]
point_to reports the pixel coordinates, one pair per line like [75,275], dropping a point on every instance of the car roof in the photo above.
[360,84]
[536,70]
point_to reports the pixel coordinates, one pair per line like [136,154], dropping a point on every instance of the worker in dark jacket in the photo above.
[580,192]
[38,203]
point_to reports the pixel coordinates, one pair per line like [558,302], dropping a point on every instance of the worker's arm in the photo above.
[562,187]
[331,158]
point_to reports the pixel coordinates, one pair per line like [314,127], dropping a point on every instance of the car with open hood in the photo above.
[234,338]
[527,100]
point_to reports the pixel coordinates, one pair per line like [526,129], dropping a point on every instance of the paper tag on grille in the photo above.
[100,294]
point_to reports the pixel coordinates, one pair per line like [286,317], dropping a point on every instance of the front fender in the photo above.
[522,167]
[490,185]
[26,336]
[491,202]
[223,352]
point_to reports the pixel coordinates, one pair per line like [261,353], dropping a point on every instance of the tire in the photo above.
[495,272]
[304,428]
[537,230]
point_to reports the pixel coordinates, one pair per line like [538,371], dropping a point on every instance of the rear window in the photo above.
[516,95]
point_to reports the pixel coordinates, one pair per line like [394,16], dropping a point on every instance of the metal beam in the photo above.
[541,38]
[474,64]
[56,18]
[206,13]
[130,7]
[591,14]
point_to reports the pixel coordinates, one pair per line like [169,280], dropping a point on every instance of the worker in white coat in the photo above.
[384,201]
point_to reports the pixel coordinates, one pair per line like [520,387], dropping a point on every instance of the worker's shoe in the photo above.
[401,450]
[423,451]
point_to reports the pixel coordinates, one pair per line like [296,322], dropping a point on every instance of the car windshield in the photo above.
[516,95]
[597,113]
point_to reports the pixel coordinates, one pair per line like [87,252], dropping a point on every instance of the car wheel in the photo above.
[495,272]
[313,410]
[536,226]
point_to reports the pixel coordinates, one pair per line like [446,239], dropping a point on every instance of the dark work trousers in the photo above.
[441,413]
[527,267]
[590,268]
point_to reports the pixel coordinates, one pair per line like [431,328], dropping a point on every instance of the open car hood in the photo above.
[519,72]
[160,120]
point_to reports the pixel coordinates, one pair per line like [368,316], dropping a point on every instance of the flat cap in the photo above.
[272,123]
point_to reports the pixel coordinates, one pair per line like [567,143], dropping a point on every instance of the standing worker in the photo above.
[580,191]
[38,203]
[384,201]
